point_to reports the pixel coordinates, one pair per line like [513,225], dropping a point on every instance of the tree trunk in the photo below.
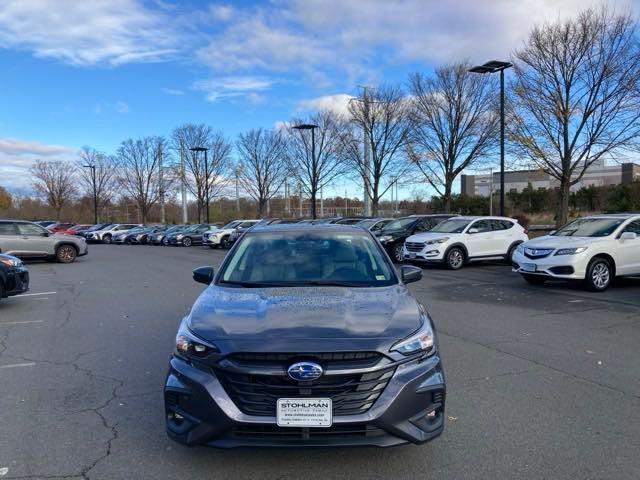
[562,209]
[313,203]
[261,207]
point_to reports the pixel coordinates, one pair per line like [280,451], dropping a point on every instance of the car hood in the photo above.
[551,241]
[282,319]
[393,233]
[426,236]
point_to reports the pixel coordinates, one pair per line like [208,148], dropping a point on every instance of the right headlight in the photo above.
[423,340]
[191,347]
[386,238]
[10,261]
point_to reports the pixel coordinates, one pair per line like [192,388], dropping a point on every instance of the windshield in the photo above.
[589,227]
[231,225]
[399,224]
[366,223]
[269,259]
[451,226]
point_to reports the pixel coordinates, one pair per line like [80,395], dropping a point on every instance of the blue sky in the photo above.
[97,72]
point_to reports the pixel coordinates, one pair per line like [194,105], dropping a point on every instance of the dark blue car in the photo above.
[306,336]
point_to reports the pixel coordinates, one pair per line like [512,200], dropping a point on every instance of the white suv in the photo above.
[592,249]
[106,235]
[461,239]
[217,237]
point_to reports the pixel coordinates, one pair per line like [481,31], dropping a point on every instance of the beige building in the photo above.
[516,181]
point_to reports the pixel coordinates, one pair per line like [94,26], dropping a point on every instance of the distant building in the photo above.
[516,181]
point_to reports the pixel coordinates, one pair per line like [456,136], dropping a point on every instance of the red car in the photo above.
[76,229]
[60,227]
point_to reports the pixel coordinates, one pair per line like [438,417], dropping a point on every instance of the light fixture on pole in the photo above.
[492,67]
[95,192]
[206,177]
[312,127]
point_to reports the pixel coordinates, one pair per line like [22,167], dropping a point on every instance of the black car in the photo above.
[394,233]
[160,238]
[307,336]
[14,276]
[140,237]
[192,235]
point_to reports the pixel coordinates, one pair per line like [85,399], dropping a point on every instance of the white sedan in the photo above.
[594,250]
[458,240]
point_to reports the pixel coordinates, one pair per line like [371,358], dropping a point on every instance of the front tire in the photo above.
[599,275]
[106,239]
[66,254]
[165,241]
[396,253]
[187,242]
[455,258]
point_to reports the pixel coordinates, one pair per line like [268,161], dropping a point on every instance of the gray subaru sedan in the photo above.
[306,336]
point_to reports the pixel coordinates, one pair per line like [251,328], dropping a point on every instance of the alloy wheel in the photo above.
[66,254]
[600,275]
[455,259]
[397,253]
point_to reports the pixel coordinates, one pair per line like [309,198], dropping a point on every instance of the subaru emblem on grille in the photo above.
[305,371]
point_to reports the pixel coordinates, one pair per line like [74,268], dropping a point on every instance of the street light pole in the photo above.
[493,67]
[95,192]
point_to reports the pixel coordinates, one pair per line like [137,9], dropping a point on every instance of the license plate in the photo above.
[304,412]
[412,255]
[528,267]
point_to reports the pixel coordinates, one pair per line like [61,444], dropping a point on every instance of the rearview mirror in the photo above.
[473,230]
[628,236]
[410,274]
[45,234]
[203,275]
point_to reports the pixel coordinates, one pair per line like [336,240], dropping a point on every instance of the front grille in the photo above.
[414,246]
[336,430]
[535,253]
[256,394]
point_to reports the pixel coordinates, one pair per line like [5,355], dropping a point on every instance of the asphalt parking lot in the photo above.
[543,382]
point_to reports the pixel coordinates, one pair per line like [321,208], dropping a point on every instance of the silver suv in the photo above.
[106,235]
[30,240]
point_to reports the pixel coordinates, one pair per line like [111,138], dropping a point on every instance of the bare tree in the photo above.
[316,159]
[105,175]
[263,168]
[384,115]
[575,96]
[138,172]
[55,182]
[202,178]
[455,124]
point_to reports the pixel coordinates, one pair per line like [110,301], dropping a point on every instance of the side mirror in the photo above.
[473,230]
[45,234]
[410,274]
[203,275]
[628,236]
[552,232]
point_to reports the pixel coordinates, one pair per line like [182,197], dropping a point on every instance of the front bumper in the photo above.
[211,241]
[399,415]
[429,254]
[17,281]
[568,267]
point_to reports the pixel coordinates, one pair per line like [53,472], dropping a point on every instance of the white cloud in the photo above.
[320,38]
[17,156]
[93,32]
[232,86]
[122,107]
[222,12]
[338,103]
[173,91]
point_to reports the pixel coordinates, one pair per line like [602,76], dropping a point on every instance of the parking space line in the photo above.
[34,294]
[17,365]
[21,322]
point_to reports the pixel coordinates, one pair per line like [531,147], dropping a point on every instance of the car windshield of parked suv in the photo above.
[399,224]
[589,227]
[230,225]
[451,226]
[303,258]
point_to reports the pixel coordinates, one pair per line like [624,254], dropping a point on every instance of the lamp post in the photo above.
[492,67]
[314,166]
[95,192]
[206,176]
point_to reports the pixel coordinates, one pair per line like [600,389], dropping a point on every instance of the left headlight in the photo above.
[570,251]
[11,261]
[438,240]
[422,340]
[386,238]
[520,248]
[190,346]
[179,236]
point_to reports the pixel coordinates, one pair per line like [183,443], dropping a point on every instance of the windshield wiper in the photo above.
[252,284]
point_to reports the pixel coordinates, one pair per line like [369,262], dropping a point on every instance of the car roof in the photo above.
[483,217]
[306,227]
[623,216]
